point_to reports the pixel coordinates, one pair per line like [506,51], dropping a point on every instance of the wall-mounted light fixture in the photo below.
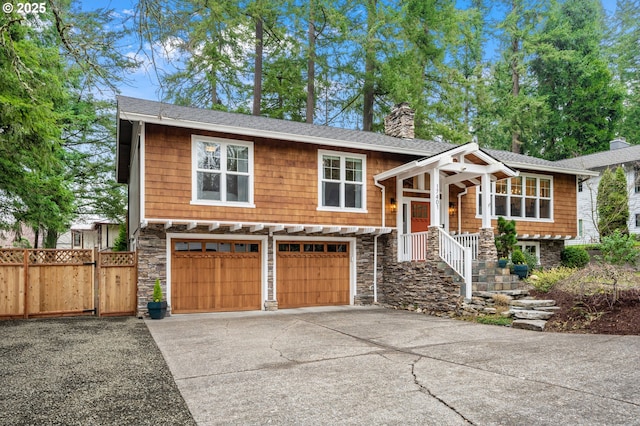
[452,209]
[393,204]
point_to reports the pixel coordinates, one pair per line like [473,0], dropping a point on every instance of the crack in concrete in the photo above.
[427,391]
[409,351]
[273,342]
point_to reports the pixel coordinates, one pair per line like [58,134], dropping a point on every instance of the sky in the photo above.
[143,81]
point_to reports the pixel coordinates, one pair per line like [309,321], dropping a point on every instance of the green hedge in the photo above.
[574,257]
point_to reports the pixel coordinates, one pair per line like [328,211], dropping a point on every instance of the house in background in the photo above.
[620,153]
[237,212]
[8,238]
[99,233]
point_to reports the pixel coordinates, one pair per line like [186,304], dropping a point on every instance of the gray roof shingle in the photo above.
[604,158]
[377,141]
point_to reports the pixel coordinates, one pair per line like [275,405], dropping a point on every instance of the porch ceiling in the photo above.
[462,166]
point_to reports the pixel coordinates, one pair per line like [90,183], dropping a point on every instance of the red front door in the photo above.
[420,216]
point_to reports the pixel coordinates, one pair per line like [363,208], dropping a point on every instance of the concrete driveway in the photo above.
[368,365]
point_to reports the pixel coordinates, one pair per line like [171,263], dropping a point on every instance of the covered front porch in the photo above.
[427,207]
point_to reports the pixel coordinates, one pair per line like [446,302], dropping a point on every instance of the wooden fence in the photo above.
[36,283]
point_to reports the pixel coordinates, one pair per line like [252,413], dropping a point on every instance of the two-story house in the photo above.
[620,153]
[237,212]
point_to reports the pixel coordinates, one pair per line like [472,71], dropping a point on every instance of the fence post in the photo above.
[25,261]
[96,281]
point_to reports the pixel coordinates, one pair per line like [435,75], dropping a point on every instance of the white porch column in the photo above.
[434,188]
[399,219]
[486,201]
[444,207]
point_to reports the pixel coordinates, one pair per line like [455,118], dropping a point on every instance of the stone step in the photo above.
[516,294]
[548,308]
[533,303]
[535,325]
[531,314]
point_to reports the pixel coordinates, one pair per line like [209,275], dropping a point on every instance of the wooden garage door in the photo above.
[312,274]
[211,276]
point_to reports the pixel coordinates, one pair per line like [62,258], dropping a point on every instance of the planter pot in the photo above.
[502,263]
[157,310]
[522,271]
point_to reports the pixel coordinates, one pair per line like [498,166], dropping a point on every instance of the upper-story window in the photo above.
[222,171]
[636,179]
[341,181]
[526,197]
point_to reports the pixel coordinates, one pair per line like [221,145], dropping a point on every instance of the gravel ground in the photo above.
[85,371]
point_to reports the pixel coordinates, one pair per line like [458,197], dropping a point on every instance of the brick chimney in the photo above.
[618,143]
[399,123]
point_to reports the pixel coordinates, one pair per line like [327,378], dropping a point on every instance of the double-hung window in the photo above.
[222,172]
[527,197]
[341,181]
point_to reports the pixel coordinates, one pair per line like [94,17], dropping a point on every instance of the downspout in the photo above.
[375,243]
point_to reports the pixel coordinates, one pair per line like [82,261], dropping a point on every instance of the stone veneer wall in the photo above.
[486,246]
[365,268]
[152,263]
[550,253]
[416,284]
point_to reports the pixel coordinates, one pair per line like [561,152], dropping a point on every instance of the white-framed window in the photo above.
[341,181]
[525,197]
[531,247]
[77,239]
[222,172]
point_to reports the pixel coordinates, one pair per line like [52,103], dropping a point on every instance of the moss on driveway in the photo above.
[85,371]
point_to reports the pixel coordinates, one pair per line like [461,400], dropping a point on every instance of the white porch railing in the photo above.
[413,246]
[457,257]
[470,241]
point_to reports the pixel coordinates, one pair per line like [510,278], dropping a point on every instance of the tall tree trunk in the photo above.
[51,239]
[257,76]
[516,144]
[369,68]
[36,231]
[311,67]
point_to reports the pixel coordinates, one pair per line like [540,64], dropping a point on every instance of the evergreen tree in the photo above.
[624,40]
[612,203]
[573,76]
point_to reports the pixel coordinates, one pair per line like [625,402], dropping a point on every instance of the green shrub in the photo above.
[574,257]
[506,239]
[157,291]
[618,248]
[545,280]
[517,257]
[531,260]
[120,244]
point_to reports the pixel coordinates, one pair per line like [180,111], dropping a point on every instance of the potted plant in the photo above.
[506,240]
[158,307]
[520,268]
